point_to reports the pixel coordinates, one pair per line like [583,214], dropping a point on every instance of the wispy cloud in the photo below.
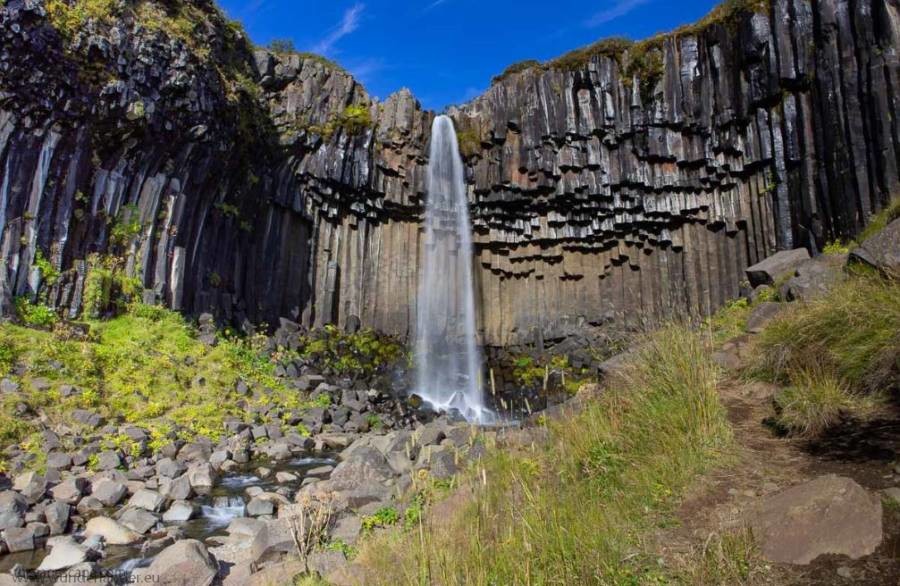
[348,24]
[434,4]
[364,70]
[619,8]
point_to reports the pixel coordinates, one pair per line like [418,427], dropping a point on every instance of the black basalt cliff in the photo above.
[623,182]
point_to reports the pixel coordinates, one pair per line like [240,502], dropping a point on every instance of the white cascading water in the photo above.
[447,358]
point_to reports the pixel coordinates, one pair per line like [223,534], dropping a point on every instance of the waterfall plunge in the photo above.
[447,357]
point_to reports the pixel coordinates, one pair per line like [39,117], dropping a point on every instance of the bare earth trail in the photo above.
[721,501]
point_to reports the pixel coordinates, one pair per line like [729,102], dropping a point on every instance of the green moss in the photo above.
[359,354]
[126,226]
[49,273]
[614,48]
[879,221]
[107,288]
[70,16]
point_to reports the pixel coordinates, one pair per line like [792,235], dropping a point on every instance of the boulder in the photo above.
[57,515]
[147,500]
[828,515]
[138,520]
[64,554]
[18,539]
[762,314]
[245,526]
[178,489]
[12,510]
[347,529]
[814,278]
[108,492]
[881,251]
[169,468]
[325,563]
[257,507]
[185,563]
[771,269]
[112,532]
[70,490]
[201,476]
[272,541]
[179,512]
[108,460]
[32,485]
[59,461]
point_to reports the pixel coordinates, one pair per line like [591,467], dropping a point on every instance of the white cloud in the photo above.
[618,8]
[434,4]
[349,23]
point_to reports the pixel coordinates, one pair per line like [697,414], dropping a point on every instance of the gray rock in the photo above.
[108,460]
[57,515]
[273,541]
[108,492]
[8,385]
[59,461]
[347,529]
[185,563]
[32,485]
[762,314]
[245,526]
[814,278]
[170,468]
[773,268]
[257,507]
[827,515]
[70,490]
[18,539]
[178,489]
[881,251]
[179,512]
[325,563]
[87,418]
[201,476]
[138,520]
[147,500]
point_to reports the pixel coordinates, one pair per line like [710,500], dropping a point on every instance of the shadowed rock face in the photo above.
[256,185]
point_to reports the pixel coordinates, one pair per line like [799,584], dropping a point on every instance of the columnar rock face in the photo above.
[258,186]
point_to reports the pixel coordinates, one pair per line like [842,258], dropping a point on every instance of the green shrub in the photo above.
[879,221]
[383,517]
[516,68]
[282,46]
[49,273]
[35,315]
[70,16]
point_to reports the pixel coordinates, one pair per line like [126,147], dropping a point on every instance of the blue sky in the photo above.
[446,51]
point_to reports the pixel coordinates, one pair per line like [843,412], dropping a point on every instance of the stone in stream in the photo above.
[178,489]
[828,515]
[112,532]
[179,512]
[285,477]
[109,492]
[201,476]
[66,553]
[258,507]
[185,563]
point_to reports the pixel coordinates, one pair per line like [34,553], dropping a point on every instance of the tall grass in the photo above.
[852,333]
[576,509]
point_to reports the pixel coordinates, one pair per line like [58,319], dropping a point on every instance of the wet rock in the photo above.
[179,512]
[827,515]
[773,268]
[201,476]
[112,532]
[66,553]
[178,489]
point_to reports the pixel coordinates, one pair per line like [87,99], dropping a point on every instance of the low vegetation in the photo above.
[577,510]
[146,367]
[362,353]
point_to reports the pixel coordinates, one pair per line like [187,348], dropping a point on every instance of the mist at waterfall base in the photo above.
[448,362]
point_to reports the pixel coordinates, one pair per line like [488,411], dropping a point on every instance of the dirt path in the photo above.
[766,463]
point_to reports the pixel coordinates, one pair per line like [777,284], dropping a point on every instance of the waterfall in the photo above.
[448,361]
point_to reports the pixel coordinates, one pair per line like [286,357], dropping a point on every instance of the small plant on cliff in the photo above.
[516,68]
[383,517]
[282,46]
[35,314]
[49,273]
[126,226]
[70,16]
